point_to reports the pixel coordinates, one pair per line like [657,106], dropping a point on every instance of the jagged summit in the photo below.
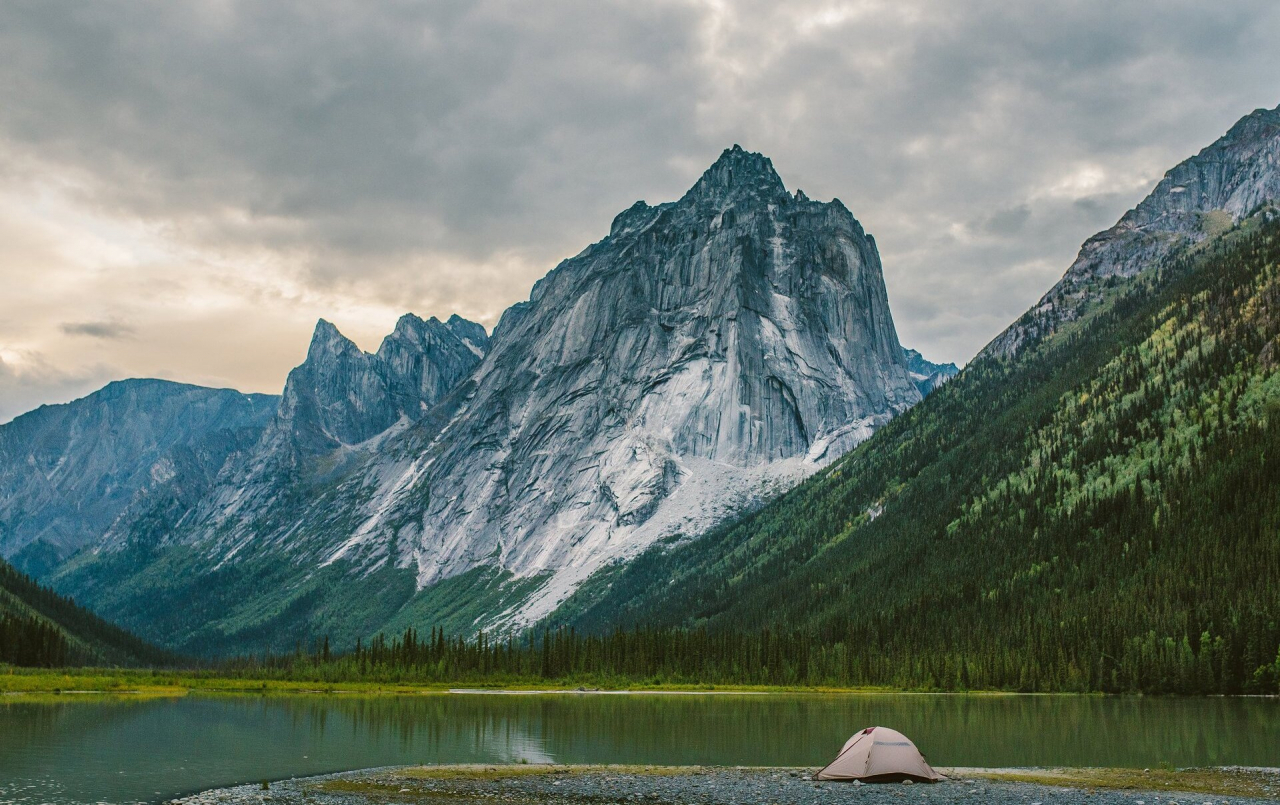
[737,187]
[327,342]
[326,330]
[469,331]
[738,172]
[341,395]
[413,329]
[746,165]
[413,323]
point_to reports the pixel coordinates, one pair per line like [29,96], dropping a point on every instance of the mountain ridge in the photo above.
[736,186]
[704,355]
[68,471]
[1231,177]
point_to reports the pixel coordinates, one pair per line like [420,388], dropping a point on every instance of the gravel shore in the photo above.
[656,785]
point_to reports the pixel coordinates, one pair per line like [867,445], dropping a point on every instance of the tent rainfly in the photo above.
[880,755]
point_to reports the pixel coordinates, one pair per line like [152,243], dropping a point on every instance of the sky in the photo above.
[186,186]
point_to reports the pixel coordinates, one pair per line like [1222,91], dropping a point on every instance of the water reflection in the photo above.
[122,749]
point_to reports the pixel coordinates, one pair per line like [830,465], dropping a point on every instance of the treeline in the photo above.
[700,657]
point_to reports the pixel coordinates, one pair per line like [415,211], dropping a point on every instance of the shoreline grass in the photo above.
[83,680]
[1220,781]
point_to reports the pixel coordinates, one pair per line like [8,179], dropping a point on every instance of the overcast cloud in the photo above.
[185,187]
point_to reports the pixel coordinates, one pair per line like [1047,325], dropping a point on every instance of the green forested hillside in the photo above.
[38,627]
[1101,512]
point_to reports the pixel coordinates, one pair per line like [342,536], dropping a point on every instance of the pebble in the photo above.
[706,786]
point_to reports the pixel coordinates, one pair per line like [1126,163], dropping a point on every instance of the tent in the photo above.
[880,755]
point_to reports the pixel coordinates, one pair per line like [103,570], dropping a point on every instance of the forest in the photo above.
[40,628]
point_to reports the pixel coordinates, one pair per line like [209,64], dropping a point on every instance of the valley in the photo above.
[693,403]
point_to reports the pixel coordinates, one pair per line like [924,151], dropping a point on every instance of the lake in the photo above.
[83,749]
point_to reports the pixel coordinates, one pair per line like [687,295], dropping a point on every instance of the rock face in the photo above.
[926,375]
[704,354]
[341,396]
[1216,188]
[69,472]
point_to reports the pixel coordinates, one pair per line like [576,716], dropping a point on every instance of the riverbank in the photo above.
[124,680]
[661,785]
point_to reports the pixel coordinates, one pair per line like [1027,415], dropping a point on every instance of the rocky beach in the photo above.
[693,785]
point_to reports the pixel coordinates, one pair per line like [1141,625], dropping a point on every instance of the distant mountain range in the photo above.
[706,355]
[72,475]
[928,376]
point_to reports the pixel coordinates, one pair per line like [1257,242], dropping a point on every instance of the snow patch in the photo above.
[711,493]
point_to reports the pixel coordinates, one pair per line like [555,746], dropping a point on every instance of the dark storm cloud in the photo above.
[363,128]
[443,155]
[109,330]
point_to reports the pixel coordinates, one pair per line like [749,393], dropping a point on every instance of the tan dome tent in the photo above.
[880,755]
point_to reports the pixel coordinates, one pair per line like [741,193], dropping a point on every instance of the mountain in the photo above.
[926,375]
[1092,504]
[151,447]
[1200,198]
[341,396]
[705,355]
[337,408]
[706,350]
[40,628]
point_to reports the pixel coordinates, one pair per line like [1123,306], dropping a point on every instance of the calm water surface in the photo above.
[117,749]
